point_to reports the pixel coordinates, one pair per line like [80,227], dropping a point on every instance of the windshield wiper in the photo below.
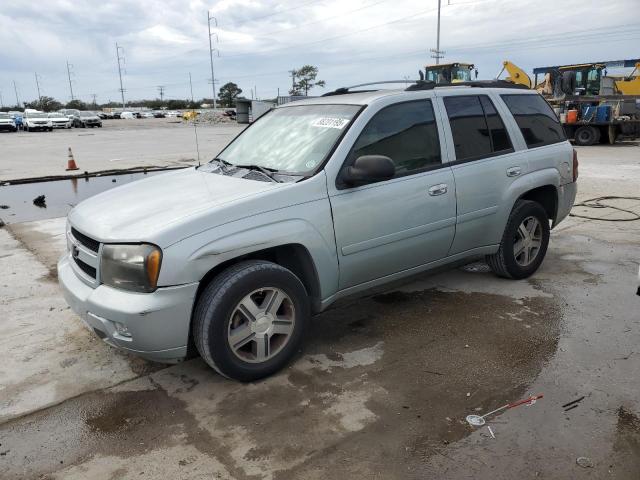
[266,170]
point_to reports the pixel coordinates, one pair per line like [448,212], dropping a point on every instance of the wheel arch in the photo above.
[545,195]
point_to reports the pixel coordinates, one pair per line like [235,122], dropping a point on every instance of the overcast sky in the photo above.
[259,41]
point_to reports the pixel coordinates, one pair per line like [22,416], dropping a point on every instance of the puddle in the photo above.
[60,196]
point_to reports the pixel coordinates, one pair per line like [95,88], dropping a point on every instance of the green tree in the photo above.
[228,94]
[45,104]
[304,79]
[77,104]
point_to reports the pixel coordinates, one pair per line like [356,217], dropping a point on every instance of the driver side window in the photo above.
[406,133]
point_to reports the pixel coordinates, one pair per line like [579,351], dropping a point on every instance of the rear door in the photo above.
[387,227]
[484,165]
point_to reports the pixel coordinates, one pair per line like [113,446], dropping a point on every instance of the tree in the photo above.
[77,105]
[228,94]
[45,104]
[304,79]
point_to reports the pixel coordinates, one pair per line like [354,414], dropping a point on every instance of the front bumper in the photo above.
[158,322]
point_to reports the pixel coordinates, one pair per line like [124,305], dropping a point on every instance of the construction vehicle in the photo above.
[592,105]
[448,73]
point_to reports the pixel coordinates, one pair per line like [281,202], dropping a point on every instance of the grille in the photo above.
[88,242]
[88,269]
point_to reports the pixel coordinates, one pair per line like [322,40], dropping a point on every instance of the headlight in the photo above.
[131,267]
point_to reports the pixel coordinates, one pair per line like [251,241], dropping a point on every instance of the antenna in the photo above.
[195,128]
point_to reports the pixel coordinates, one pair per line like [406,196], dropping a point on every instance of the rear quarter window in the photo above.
[536,120]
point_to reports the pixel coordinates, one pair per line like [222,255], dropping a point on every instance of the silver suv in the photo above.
[317,200]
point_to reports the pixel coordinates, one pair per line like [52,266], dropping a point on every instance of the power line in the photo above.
[211,49]
[118,50]
[38,87]
[161,91]
[301,5]
[69,75]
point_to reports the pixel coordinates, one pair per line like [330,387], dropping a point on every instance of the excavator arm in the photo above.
[516,74]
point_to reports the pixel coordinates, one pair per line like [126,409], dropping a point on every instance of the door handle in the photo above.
[513,171]
[440,189]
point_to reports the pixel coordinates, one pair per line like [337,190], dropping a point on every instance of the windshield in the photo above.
[56,115]
[5,115]
[87,114]
[292,139]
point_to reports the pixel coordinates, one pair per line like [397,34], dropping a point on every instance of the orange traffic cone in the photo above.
[71,163]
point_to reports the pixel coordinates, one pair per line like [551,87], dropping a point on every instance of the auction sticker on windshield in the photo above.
[328,122]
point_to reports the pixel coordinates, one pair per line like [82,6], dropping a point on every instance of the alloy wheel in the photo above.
[528,241]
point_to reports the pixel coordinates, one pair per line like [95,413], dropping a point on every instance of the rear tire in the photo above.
[524,242]
[250,320]
[586,136]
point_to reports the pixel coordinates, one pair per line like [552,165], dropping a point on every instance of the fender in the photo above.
[243,237]
[529,181]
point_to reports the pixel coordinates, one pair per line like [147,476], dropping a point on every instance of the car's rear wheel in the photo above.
[524,242]
[250,319]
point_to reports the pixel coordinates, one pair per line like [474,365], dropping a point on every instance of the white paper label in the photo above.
[329,122]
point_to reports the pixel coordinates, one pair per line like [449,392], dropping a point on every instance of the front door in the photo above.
[390,226]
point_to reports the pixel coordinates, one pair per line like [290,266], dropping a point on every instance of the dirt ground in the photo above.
[119,144]
[382,387]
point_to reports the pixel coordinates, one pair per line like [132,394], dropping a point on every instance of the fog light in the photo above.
[122,330]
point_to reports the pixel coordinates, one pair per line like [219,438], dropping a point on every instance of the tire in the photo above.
[221,310]
[505,262]
[586,136]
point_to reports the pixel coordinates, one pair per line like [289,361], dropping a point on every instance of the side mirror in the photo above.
[369,169]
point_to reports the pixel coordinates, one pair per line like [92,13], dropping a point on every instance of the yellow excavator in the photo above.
[583,79]
[602,107]
[516,74]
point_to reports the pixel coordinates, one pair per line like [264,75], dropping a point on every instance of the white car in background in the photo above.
[146,115]
[58,120]
[7,122]
[35,120]
[127,115]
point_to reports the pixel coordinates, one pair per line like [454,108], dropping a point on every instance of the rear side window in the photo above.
[537,121]
[477,129]
[406,133]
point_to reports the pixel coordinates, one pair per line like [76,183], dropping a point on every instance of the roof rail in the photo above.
[425,85]
[345,90]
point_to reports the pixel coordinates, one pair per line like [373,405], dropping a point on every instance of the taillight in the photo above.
[575,165]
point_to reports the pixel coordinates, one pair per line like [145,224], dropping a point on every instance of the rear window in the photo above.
[537,121]
[477,129]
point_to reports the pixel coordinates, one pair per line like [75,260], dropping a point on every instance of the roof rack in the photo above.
[426,85]
[345,90]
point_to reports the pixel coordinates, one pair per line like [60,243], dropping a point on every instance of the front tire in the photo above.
[524,242]
[586,136]
[250,320]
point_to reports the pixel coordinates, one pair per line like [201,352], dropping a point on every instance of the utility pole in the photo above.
[161,91]
[38,88]
[69,75]
[118,51]
[15,89]
[94,96]
[437,53]
[211,49]
[1,101]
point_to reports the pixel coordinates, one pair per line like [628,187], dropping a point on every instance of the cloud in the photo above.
[351,41]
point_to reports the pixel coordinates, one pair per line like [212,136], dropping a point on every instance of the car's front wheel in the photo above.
[524,242]
[250,319]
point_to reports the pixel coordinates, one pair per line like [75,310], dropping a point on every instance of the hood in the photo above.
[152,209]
